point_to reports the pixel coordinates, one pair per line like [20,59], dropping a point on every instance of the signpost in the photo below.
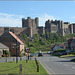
[28,51]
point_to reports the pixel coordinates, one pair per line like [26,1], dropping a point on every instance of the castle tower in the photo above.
[23,22]
[71,28]
[37,21]
[62,28]
[29,22]
[29,31]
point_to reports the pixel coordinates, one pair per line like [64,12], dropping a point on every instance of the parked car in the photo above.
[40,54]
[48,52]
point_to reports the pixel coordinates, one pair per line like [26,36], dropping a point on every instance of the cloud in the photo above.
[10,20]
[72,17]
[44,18]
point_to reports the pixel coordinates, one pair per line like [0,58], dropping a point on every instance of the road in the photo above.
[56,65]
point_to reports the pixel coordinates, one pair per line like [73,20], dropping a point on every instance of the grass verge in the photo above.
[27,68]
[67,55]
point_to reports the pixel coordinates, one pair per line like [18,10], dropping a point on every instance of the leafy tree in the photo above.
[25,38]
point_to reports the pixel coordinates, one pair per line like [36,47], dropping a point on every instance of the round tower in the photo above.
[29,21]
[23,24]
[37,21]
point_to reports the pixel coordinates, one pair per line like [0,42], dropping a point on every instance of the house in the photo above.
[72,44]
[59,46]
[68,43]
[11,40]
[3,47]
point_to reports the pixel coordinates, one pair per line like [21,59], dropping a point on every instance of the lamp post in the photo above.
[16,53]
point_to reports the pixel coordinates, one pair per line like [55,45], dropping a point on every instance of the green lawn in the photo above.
[67,55]
[27,68]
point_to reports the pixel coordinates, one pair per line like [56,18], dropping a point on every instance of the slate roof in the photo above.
[2,46]
[16,37]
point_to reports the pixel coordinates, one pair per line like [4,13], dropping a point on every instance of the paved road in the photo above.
[55,65]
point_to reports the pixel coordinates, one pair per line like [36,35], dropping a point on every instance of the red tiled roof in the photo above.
[16,37]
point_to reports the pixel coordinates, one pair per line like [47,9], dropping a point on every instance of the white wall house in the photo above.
[57,47]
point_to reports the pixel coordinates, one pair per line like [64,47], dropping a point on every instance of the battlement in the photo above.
[30,22]
[67,23]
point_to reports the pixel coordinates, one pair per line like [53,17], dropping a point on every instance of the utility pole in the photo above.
[16,53]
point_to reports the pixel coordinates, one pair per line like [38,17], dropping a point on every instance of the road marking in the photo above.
[66,65]
[73,67]
[60,63]
[45,60]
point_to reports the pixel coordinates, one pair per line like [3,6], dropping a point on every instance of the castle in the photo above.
[31,26]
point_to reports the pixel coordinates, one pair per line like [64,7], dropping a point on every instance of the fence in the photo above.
[37,65]
[21,66]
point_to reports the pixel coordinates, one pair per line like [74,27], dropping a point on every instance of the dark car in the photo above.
[40,54]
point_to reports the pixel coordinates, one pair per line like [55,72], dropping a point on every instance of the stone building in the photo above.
[70,44]
[31,26]
[41,31]
[72,28]
[57,27]
[9,39]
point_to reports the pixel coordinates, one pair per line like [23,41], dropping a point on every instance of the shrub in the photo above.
[7,53]
[3,55]
[32,49]
[60,50]
[73,60]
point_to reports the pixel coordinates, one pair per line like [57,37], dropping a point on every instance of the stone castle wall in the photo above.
[16,30]
[31,26]
[57,27]
[72,28]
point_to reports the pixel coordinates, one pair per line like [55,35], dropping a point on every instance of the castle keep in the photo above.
[57,27]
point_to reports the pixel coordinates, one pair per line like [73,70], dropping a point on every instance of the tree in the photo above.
[25,38]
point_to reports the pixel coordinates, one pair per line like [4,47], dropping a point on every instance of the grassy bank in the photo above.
[62,56]
[27,68]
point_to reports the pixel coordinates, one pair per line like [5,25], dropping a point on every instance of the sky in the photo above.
[12,12]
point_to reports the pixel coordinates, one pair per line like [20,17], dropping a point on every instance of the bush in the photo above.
[60,50]
[71,53]
[32,49]
[7,53]
[73,60]
[3,55]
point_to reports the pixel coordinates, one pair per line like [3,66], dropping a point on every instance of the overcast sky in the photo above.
[12,12]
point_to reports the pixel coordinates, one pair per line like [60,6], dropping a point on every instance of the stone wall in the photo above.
[72,28]
[57,27]
[41,30]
